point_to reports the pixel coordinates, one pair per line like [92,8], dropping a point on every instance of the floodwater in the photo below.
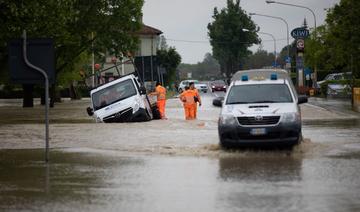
[176,165]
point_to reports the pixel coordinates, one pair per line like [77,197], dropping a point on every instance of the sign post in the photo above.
[46,96]
[300,34]
[32,61]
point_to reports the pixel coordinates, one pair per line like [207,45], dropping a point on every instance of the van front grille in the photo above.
[259,120]
[122,116]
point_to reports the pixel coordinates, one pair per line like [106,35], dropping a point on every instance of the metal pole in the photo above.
[46,96]
[287,28]
[123,67]
[151,57]
[117,70]
[265,33]
[300,6]
[92,59]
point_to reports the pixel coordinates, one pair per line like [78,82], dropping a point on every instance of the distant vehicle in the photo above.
[336,89]
[261,107]
[199,86]
[121,100]
[335,76]
[218,85]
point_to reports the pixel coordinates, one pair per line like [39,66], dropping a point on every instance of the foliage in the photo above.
[208,69]
[231,33]
[259,59]
[169,59]
[74,25]
[337,44]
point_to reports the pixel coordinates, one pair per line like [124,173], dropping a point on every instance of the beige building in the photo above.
[145,57]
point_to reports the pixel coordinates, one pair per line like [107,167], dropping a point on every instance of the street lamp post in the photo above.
[287,28]
[272,36]
[300,6]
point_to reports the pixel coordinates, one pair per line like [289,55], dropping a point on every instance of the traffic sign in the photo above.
[300,32]
[288,59]
[40,52]
[300,44]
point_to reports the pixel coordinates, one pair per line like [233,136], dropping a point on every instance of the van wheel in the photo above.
[155,112]
[180,90]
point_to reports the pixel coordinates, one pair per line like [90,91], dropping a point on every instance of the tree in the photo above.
[317,51]
[169,59]
[208,69]
[74,25]
[337,44]
[344,35]
[162,43]
[231,33]
[259,59]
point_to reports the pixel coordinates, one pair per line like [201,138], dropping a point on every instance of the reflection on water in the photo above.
[99,180]
[72,179]
[274,169]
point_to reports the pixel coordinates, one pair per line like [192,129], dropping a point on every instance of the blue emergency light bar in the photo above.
[273,77]
[244,78]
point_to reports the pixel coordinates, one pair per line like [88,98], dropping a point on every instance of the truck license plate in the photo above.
[258,131]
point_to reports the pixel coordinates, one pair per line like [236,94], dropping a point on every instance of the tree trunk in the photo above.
[73,93]
[52,95]
[42,97]
[28,99]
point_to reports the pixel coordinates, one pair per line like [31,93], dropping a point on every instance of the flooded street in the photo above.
[174,165]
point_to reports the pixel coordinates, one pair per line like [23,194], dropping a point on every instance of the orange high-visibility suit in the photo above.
[161,99]
[197,95]
[187,97]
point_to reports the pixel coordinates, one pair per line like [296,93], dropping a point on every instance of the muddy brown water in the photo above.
[156,166]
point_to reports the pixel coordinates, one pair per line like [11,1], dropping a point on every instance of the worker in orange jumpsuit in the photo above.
[197,98]
[160,93]
[187,97]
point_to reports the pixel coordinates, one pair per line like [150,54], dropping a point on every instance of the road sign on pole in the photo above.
[300,44]
[32,62]
[300,32]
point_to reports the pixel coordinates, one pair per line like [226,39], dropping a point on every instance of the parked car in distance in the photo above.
[334,76]
[218,85]
[199,86]
[336,89]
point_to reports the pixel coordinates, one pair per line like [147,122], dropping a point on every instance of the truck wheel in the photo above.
[225,145]
[156,113]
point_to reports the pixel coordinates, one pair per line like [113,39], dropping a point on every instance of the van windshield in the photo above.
[112,94]
[264,93]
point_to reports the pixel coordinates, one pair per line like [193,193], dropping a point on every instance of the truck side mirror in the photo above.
[218,101]
[142,90]
[90,111]
[302,99]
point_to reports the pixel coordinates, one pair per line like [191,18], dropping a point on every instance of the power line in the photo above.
[225,42]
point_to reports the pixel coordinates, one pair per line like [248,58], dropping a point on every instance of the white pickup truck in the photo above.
[122,100]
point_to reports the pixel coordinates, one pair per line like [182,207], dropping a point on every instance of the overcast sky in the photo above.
[184,21]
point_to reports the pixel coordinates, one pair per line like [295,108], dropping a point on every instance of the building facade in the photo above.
[145,59]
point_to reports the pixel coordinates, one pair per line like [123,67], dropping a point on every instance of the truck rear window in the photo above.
[114,93]
[260,93]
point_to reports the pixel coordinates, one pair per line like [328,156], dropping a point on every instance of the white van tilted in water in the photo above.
[121,100]
[261,107]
